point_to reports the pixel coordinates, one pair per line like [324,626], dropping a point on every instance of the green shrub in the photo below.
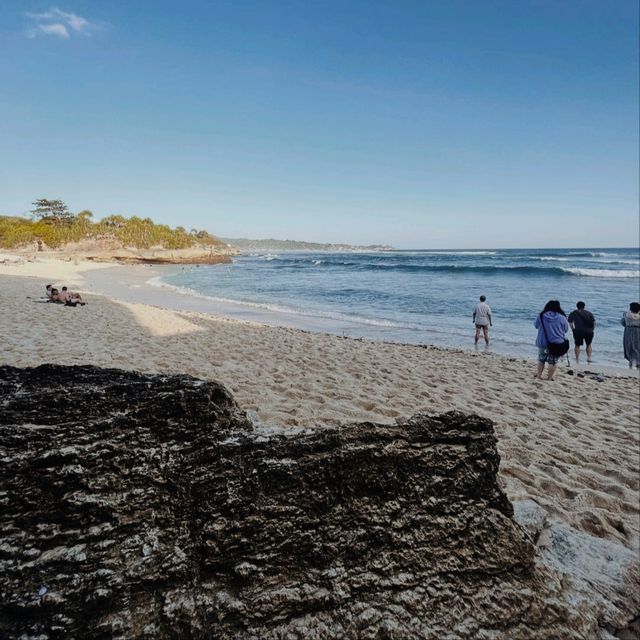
[131,232]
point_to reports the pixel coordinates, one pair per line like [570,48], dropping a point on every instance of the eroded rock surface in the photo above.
[599,576]
[149,506]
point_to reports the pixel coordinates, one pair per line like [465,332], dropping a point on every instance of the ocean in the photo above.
[423,297]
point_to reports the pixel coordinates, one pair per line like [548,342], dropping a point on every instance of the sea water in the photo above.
[424,297]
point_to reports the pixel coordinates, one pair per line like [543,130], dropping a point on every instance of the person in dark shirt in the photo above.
[583,323]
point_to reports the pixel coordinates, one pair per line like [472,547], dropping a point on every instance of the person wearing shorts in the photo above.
[545,357]
[482,319]
[583,324]
[552,325]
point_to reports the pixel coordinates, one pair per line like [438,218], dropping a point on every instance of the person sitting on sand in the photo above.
[482,319]
[552,325]
[48,290]
[70,298]
[631,338]
[583,323]
[55,295]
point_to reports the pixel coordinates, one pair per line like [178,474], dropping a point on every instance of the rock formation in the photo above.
[149,506]
[599,576]
[109,249]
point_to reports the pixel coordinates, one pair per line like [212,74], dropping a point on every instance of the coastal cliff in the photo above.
[145,506]
[108,250]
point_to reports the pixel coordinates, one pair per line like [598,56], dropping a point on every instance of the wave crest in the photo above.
[602,273]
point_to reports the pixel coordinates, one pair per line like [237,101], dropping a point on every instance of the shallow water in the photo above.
[424,296]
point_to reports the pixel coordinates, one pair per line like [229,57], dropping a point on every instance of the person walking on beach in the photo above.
[631,338]
[482,319]
[583,323]
[552,326]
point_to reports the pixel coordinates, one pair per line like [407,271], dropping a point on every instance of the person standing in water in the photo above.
[583,323]
[482,319]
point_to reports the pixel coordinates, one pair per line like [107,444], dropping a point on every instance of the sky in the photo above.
[427,124]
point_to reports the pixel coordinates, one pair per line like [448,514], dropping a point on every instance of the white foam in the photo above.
[603,273]
[593,254]
[431,328]
[342,317]
[599,260]
[635,263]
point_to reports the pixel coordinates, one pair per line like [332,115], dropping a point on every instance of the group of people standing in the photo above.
[553,324]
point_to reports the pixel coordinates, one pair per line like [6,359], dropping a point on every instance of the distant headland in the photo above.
[271,244]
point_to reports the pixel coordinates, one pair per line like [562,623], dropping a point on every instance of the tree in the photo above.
[51,211]
[85,214]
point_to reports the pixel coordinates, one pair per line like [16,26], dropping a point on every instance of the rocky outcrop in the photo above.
[600,576]
[111,250]
[195,255]
[146,506]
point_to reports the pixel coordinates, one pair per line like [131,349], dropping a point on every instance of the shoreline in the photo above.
[131,283]
[134,285]
[571,445]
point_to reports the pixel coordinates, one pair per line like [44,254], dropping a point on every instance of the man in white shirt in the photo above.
[482,319]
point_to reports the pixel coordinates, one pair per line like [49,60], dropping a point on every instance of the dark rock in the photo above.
[146,506]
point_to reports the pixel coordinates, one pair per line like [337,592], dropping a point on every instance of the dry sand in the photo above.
[572,445]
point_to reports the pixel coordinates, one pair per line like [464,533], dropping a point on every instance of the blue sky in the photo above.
[435,124]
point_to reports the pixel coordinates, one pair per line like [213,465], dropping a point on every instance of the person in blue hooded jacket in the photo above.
[556,326]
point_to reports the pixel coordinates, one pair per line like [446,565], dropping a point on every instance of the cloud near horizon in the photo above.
[56,22]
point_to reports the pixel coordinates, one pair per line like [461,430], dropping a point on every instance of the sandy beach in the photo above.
[571,445]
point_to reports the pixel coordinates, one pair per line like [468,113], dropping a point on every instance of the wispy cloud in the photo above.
[56,22]
[54,29]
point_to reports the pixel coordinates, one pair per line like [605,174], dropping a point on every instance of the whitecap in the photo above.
[603,273]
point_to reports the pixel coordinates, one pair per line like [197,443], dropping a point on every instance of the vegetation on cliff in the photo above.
[55,226]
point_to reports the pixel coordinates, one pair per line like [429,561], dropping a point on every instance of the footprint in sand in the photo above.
[628,481]
[552,488]
[614,490]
